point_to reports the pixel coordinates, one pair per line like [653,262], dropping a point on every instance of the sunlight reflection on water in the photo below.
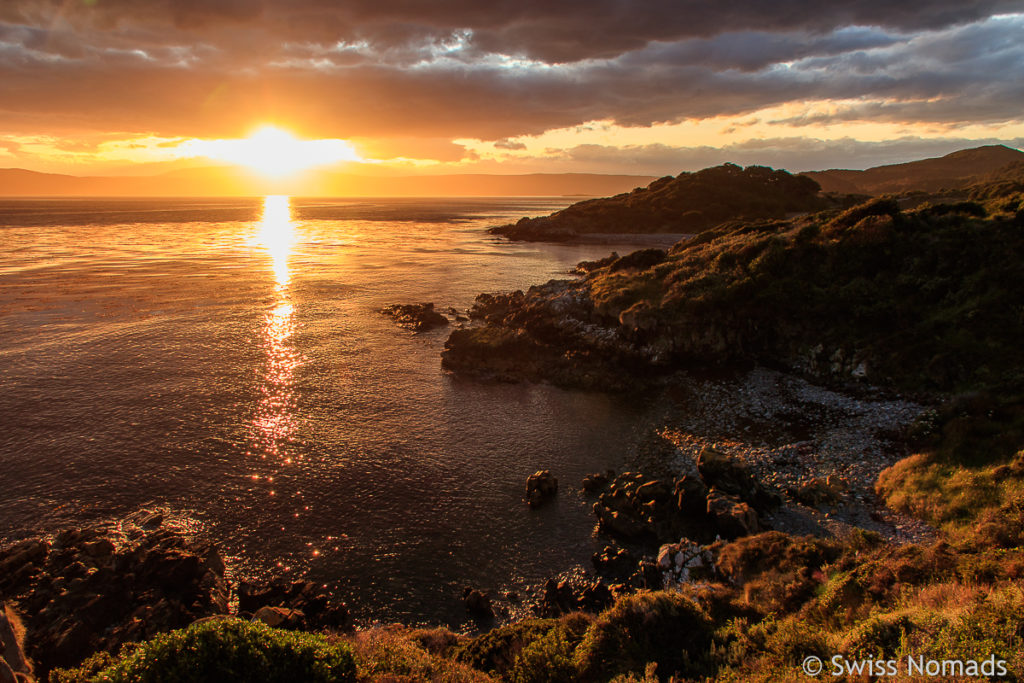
[275,421]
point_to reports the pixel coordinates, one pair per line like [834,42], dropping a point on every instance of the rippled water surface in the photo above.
[225,359]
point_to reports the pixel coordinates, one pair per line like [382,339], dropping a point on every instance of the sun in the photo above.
[273,152]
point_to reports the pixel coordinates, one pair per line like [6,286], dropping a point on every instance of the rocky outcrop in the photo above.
[824,295]
[641,509]
[564,596]
[295,605]
[551,333]
[541,486]
[731,476]
[415,317]
[86,590]
[592,483]
[685,561]
[82,592]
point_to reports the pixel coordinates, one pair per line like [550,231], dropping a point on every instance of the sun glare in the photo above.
[273,152]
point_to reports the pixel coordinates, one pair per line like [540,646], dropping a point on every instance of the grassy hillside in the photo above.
[953,171]
[687,203]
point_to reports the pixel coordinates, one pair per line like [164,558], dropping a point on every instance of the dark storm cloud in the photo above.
[562,30]
[470,69]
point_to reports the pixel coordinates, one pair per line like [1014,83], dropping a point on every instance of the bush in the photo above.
[224,651]
[662,627]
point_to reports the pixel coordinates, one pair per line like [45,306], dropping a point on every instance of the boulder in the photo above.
[732,517]
[691,496]
[281,617]
[724,473]
[595,597]
[320,610]
[613,560]
[620,524]
[592,483]
[541,486]
[557,599]
[685,561]
[415,317]
[477,603]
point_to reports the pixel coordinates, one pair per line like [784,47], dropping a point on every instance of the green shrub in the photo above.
[224,651]
[496,651]
[661,627]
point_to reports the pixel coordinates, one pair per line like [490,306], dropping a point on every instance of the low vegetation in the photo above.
[221,650]
[687,203]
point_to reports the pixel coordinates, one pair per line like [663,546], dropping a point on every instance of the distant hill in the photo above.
[204,182]
[687,203]
[953,171]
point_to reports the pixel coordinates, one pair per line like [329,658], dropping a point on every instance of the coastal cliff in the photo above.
[922,300]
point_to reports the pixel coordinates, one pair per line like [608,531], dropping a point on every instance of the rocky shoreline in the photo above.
[87,590]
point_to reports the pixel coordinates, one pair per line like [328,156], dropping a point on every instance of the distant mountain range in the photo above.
[205,182]
[951,172]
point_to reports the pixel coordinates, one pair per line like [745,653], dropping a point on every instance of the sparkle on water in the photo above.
[275,422]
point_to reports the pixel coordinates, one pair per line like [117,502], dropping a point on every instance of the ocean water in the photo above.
[225,360]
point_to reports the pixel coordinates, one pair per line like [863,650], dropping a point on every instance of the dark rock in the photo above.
[732,517]
[621,524]
[614,561]
[281,617]
[151,520]
[415,317]
[691,495]
[727,474]
[593,483]
[557,599]
[656,491]
[13,660]
[87,594]
[477,603]
[320,609]
[20,555]
[647,576]
[102,548]
[596,597]
[541,486]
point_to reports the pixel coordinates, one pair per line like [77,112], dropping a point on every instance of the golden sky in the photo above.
[94,87]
